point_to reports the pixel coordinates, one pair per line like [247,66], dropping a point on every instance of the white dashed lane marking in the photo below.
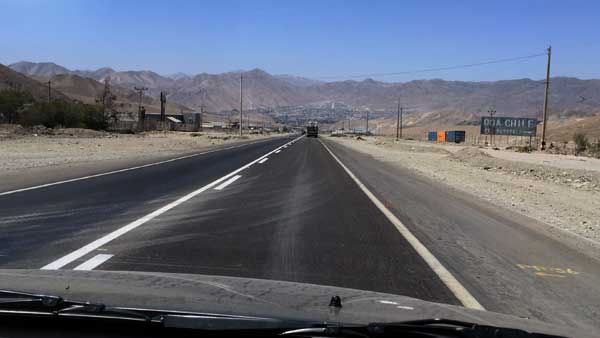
[95,245]
[125,169]
[228,182]
[93,262]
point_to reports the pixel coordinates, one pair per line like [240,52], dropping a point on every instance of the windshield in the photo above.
[445,152]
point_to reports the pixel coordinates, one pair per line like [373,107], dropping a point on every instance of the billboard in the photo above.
[516,126]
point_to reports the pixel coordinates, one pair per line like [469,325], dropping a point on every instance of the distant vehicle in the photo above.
[312,130]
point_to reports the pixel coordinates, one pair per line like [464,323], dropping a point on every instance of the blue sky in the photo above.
[305,37]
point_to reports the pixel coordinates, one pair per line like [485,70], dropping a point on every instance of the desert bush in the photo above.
[524,149]
[594,148]
[64,114]
[581,142]
[12,102]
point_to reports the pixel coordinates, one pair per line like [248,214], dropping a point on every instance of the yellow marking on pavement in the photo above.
[544,274]
[548,271]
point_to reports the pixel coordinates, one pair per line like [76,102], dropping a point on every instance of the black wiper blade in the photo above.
[19,303]
[455,328]
[435,327]
[14,302]
[227,323]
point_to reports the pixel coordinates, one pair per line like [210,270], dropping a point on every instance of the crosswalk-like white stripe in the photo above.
[93,262]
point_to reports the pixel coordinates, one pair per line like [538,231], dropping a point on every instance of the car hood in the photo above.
[255,297]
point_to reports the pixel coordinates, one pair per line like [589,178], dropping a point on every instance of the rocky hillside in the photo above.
[569,97]
[89,91]
[222,91]
[40,68]
[523,97]
[12,79]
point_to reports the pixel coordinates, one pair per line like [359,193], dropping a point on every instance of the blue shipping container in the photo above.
[432,136]
[456,136]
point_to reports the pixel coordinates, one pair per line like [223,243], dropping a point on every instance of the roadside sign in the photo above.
[516,126]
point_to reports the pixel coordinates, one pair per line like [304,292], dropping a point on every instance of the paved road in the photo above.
[507,261]
[296,216]
[285,209]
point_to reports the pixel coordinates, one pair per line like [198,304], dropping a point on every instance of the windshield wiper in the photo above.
[420,328]
[14,303]
[26,304]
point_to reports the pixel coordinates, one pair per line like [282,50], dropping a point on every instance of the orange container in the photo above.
[441,136]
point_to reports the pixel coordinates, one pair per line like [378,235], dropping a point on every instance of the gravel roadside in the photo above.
[30,151]
[31,158]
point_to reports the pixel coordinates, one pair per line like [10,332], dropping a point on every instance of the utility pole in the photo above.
[398,122]
[241,93]
[49,91]
[203,96]
[401,121]
[140,91]
[493,129]
[163,102]
[201,113]
[367,131]
[546,98]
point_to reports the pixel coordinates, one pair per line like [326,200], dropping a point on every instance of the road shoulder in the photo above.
[567,210]
[490,249]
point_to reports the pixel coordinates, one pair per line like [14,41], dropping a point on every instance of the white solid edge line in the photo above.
[93,262]
[126,169]
[463,295]
[263,160]
[278,151]
[228,182]
[59,263]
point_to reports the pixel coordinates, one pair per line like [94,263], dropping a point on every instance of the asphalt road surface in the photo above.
[286,209]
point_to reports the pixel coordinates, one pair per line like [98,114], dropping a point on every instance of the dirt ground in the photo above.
[22,149]
[563,191]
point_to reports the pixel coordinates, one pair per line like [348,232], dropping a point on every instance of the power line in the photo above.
[436,69]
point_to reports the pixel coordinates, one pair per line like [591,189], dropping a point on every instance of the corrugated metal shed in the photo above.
[441,136]
[456,136]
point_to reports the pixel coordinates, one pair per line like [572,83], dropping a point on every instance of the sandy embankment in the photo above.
[44,151]
[549,188]
[27,157]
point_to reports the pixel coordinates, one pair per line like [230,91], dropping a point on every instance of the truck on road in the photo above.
[312,130]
